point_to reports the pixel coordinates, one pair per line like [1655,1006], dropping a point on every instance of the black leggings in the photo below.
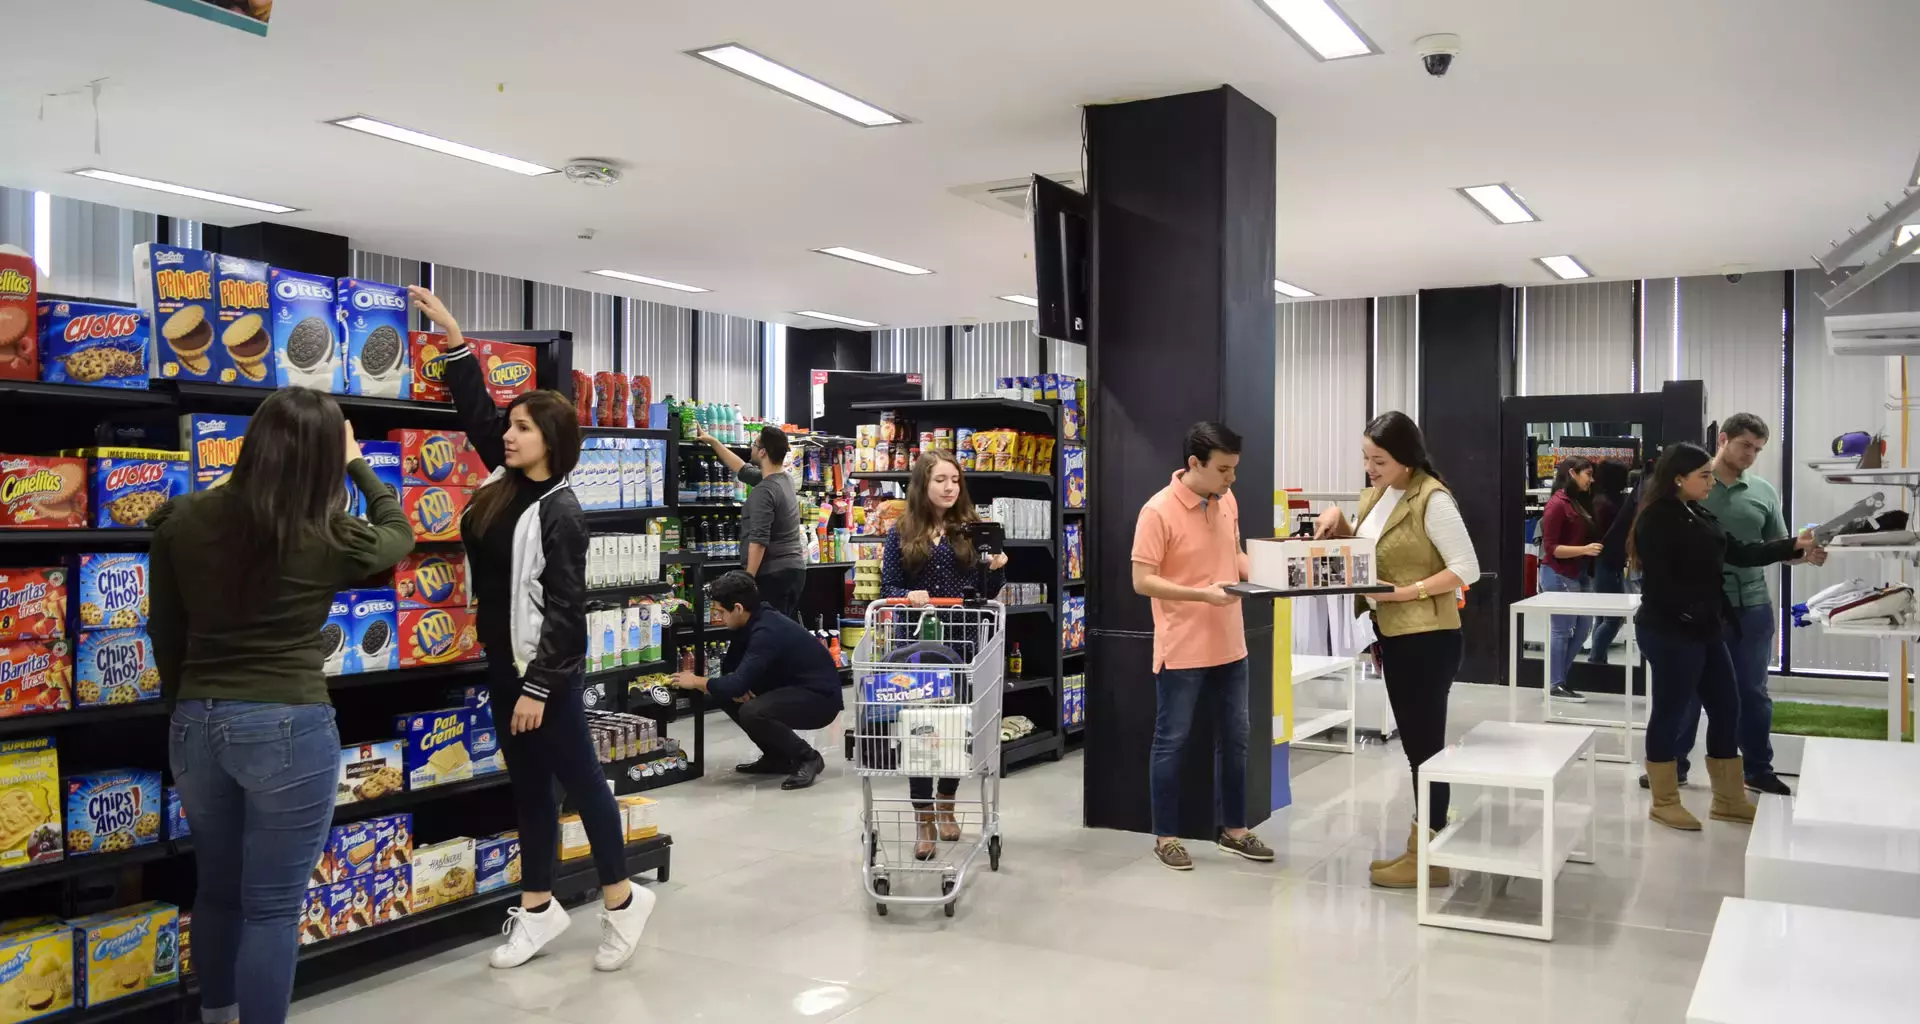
[560,751]
[920,788]
[1419,669]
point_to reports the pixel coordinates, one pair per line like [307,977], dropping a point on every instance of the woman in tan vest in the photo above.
[1422,547]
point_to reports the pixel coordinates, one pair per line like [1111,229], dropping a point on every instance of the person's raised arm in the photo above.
[1768,552]
[485,423]
[733,462]
[379,542]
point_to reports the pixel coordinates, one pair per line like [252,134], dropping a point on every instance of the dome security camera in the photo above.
[1437,52]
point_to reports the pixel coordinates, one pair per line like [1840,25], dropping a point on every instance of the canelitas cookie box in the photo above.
[442,458]
[114,666]
[30,803]
[306,331]
[111,811]
[374,316]
[93,345]
[244,305]
[430,579]
[372,632]
[213,446]
[110,591]
[36,969]
[127,951]
[43,492]
[33,604]
[174,287]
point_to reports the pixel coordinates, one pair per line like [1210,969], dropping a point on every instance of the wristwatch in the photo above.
[1420,590]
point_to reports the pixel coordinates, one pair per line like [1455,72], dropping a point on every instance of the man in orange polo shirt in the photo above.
[1186,551]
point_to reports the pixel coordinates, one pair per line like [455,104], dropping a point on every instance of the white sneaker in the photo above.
[620,930]
[527,933]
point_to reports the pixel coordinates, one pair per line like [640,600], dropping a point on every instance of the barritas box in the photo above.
[213,444]
[126,952]
[372,632]
[30,803]
[374,316]
[442,458]
[434,512]
[244,308]
[33,604]
[174,287]
[336,635]
[91,344]
[114,666]
[435,751]
[306,331]
[35,676]
[111,811]
[430,579]
[437,636]
[110,590]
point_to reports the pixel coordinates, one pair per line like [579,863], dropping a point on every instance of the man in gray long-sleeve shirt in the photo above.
[770,524]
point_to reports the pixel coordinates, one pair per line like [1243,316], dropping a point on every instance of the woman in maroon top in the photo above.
[1568,544]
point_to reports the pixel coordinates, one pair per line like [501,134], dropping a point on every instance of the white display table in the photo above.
[1616,606]
[1859,782]
[1513,836]
[1845,867]
[1311,721]
[1776,963]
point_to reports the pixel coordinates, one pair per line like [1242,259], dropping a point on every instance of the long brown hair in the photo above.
[1582,501]
[288,481]
[1682,459]
[918,524]
[559,425]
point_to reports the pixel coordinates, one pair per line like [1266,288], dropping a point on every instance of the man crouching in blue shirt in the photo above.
[776,678]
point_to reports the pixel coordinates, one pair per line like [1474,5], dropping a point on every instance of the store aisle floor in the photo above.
[764,920]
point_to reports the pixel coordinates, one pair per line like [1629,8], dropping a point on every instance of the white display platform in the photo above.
[1845,867]
[1776,963]
[1311,721]
[1859,782]
[1617,606]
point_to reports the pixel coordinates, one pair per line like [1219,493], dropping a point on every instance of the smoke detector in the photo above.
[592,172]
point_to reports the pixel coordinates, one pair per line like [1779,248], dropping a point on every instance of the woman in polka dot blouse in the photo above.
[927,556]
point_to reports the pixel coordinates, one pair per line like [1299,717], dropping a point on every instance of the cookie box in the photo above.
[349,906]
[383,457]
[354,847]
[127,951]
[186,944]
[111,811]
[43,492]
[442,873]
[427,353]
[33,604]
[483,739]
[19,309]
[36,969]
[243,308]
[305,329]
[393,835]
[174,287]
[176,816]
[496,862]
[369,771]
[509,368]
[213,443]
[637,816]
[30,816]
[1073,475]
[128,487]
[95,345]
[438,458]
[314,922]
[430,579]
[336,635]
[374,317]
[110,591]
[437,636]
[435,747]
[434,512]
[114,666]
[372,644]
[392,891]
[35,676]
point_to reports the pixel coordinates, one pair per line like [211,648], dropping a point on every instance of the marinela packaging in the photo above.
[428,579]
[110,590]
[95,345]
[306,339]
[427,356]
[35,676]
[509,368]
[19,313]
[43,492]
[126,952]
[244,308]
[438,457]
[33,603]
[30,803]
[213,446]
[374,317]
[114,810]
[174,286]
[372,629]
[442,873]
[435,511]
[130,483]
[437,636]
[114,666]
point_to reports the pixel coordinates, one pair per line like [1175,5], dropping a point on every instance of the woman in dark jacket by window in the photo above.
[1681,550]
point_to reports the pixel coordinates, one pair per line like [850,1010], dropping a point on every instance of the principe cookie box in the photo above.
[114,666]
[36,969]
[213,446]
[443,458]
[127,951]
[173,286]
[243,308]
[129,483]
[33,603]
[438,636]
[111,811]
[442,874]
[306,331]
[374,318]
[43,492]
[19,309]
[110,591]
[93,345]
[36,676]
[30,803]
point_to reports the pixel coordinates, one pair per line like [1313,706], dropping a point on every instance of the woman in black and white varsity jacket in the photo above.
[526,540]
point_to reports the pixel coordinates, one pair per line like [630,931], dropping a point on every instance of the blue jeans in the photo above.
[1688,672]
[1749,639]
[1607,580]
[1568,631]
[257,783]
[1179,690]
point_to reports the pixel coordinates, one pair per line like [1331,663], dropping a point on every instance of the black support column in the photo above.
[1182,192]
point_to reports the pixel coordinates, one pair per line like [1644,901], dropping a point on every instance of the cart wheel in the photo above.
[949,909]
[993,853]
[880,886]
[946,889]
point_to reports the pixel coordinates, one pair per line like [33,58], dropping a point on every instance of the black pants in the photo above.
[920,788]
[559,751]
[1419,669]
[781,589]
[770,719]
[1689,668]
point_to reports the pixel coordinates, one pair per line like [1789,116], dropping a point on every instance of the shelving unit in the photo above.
[1899,644]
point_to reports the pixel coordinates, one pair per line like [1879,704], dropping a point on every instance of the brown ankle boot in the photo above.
[943,818]
[925,848]
[1405,872]
[1413,847]
[1663,778]
[1730,802]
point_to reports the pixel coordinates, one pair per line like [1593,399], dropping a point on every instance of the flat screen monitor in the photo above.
[1062,236]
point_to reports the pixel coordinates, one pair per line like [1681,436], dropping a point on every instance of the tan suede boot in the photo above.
[1730,801]
[1413,845]
[1663,778]
[1405,872]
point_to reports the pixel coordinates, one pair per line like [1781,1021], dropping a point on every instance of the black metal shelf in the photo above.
[80,718]
[647,433]
[28,536]
[71,866]
[604,515]
[1024,685]
[962,406]
[453,670]
[414,797]
[710,506]
[200,395]
[630,590]
[1030,609]
[703,446]
[1029,542]
[29,392]
[830,565]
[974,477]
[1037,744]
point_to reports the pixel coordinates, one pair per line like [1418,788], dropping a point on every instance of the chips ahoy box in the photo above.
[306,339]
[95,345]
[374,317]
[112,811]
[114,666]
[240,287]
[174,287]
[438,457]
[111,592]
[372,632]
[213,443]
[383,457]
[431,579]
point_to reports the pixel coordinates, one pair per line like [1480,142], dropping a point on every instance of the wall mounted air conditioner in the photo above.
[1874,334]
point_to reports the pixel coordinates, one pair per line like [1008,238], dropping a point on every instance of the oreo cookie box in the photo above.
[336,635]
[174,287]
[372,632]
[306,336]
[95,345]
[374,317]
[383,457]
[240,288]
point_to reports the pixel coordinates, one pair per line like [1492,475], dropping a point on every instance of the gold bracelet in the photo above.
[1420,589]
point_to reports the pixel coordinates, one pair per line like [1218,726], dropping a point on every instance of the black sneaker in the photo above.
[1570,696]
[804,775]
[1768,783]
[767,765]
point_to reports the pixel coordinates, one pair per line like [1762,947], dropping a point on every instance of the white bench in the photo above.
[1845,867]
[1521,838]
[1311,721]
[1777,963]
[1859,782]
[1590,605]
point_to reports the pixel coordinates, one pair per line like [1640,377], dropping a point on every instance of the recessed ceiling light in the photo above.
[742,61]
[1906,233]
[1566,268]
[182,190]
[1321,27]
[621,275]
[1291,291]
[873,261]
[1499,202]
[1024,300]
[835,317]
[440,145]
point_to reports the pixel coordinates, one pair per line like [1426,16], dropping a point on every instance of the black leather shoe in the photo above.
[767,765]
[804,775]
[1768,783]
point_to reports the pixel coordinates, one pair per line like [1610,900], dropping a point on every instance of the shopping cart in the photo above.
[927,703]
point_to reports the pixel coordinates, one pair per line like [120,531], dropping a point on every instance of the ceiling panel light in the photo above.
[1906,234]
[873,261]
[1291,291]
[835,317]
[1499,202]
[1321,27]
[1024,300]
[742,61]
[1566,268]
[621,275]
[440,145]
[182,190]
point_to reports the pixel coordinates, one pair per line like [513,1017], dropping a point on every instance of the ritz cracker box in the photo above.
[92,344]
[438,458]
[244,307]
[30,803]
[127,951]
[114,666]
[374,316]
[373,631]
[33,603]
[43,492]
[306,334]
[428,580]
[213,446]
[111,811]
[434,512]
[35,677]
[111,590]
[174,286]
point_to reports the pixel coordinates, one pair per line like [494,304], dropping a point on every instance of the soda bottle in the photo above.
[1015,663]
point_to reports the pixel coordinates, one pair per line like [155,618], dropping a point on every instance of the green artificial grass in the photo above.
[1837,720]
